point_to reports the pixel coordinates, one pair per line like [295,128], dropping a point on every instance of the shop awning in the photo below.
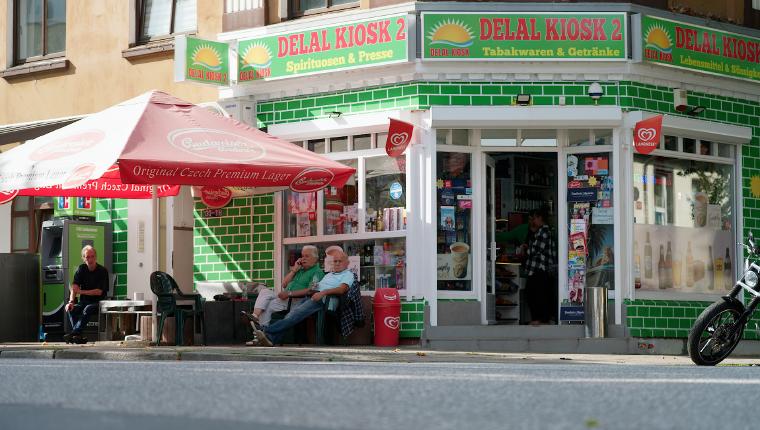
[19,132]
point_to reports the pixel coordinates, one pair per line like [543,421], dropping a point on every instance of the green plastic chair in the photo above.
[167,292]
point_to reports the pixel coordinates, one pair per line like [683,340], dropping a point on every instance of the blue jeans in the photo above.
[307,307]
[80,316]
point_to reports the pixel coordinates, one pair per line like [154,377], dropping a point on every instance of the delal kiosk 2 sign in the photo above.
[366,43]
[675,44]
[524,36]
[199,60]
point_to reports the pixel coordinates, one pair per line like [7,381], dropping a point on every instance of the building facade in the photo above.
[516,107]
[63,59]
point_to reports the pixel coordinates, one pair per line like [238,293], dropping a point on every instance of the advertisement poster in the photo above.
[448,218]
[453,267]
[686,259]
[602,216]
[302,202]
[303,225]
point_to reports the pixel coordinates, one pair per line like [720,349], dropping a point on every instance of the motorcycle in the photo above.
[719,328]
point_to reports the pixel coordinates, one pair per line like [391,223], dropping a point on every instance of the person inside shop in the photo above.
[336,282]
[303,275]
[541,269]
[90,284]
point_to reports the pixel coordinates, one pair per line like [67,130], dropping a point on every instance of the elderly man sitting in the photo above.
[295,285]
[337,282]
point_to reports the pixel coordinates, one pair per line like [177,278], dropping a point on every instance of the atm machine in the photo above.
[61,254]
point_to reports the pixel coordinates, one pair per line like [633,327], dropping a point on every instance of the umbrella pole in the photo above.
[154,219]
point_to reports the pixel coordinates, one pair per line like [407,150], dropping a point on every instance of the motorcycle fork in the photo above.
[745,316]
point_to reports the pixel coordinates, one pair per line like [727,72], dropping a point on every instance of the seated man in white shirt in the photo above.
[336,282]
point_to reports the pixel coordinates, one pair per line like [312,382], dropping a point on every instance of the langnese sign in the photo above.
[359,44]
[524,36]
[686,46]
[200,60]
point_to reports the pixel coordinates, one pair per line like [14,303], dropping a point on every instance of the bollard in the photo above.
[595,309]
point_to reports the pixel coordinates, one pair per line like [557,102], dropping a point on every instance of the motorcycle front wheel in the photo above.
[713,338]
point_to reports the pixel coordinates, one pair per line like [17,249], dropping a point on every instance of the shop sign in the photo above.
[351,45]
[524,36]
[646,134]
[686,46]
[399,136]
[571,313]
[74,207]
[201,60]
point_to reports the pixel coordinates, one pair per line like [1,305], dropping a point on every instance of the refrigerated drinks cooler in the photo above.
[61,254]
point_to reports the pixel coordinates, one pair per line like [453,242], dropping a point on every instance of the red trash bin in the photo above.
[387,310]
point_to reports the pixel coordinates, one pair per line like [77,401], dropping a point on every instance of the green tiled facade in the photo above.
[646,318]
[412,318]
[115,212]
[668,318]
[239,245]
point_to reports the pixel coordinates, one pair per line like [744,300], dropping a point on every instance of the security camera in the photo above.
[680,99]
[595,91]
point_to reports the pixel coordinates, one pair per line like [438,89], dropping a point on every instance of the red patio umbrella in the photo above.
[159,139]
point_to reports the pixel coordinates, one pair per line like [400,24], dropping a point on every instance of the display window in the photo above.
[377,263]
[366,217]
[683,213]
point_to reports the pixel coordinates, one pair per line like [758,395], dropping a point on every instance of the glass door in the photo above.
[590,222]
[490,242]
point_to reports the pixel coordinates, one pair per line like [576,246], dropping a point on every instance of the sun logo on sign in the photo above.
[451,32]
[659,39]
[755,186]
[206,56]
[256,56]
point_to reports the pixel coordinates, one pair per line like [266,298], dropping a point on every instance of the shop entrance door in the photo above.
[490,242]
[517,183]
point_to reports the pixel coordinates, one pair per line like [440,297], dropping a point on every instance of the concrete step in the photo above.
[556,340]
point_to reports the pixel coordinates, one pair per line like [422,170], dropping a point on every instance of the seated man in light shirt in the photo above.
[336,282]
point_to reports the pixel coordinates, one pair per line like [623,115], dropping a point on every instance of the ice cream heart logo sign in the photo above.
[391,322]
[6,196]
[646,134]
[399,138]
[399,135]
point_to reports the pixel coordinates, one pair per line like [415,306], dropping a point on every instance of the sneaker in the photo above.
[263,339]
[79,340]
[67,337]
[253,319]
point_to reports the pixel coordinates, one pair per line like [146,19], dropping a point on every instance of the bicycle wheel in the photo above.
[713,337]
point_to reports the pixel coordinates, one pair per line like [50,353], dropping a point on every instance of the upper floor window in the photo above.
[163,18]
[300,7]
[39,29]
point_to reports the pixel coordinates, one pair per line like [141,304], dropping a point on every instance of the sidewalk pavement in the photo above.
[141,351]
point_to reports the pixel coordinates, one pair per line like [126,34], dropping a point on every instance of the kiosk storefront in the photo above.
[547,124]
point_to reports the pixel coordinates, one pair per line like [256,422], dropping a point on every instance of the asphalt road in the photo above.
[37,394]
